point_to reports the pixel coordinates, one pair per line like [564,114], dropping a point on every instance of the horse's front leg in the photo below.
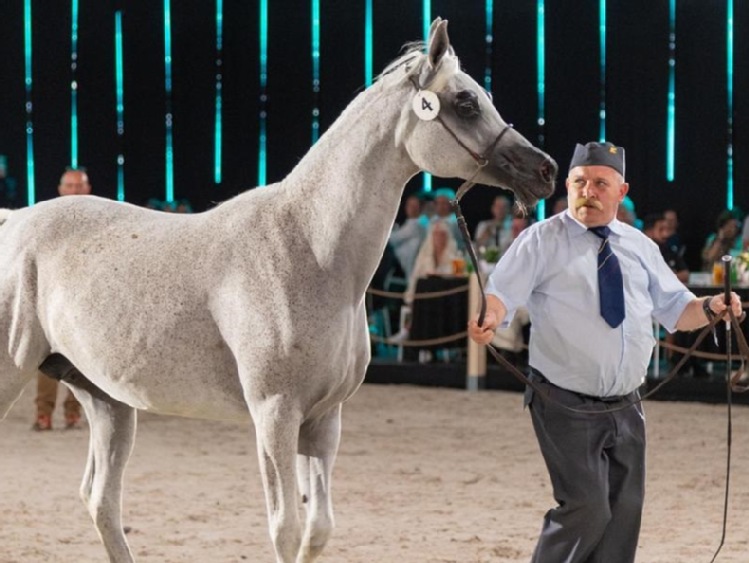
[318,447]
[112,433]
[277,429]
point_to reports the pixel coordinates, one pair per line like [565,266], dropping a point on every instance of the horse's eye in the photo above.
[467,104]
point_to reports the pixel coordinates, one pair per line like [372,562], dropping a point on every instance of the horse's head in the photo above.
[450,127]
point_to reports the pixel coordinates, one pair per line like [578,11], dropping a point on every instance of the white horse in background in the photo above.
[254,309]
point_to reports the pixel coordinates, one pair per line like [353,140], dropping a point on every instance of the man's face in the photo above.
[672,221]
[500,208]
[442,206]
[659,231]
[412,207]
[74,182]
[594,194]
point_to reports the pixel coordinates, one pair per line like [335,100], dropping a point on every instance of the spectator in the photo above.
[725,240]
[444,212]
[673,240]
[496,232]
[406,239]
[655,226]
[8,186]
[74,181]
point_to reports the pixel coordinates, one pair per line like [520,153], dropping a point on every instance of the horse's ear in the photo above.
[432,29]
[439,42]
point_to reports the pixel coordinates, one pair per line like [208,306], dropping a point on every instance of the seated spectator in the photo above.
[656,228]
[496,232]
[435,256]
[406,239]
[444,212]
[725,240]
[673,239]
[626,213]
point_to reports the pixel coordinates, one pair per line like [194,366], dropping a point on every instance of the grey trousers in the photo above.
[597,467]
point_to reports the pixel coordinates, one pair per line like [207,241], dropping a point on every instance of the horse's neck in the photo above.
[352,182]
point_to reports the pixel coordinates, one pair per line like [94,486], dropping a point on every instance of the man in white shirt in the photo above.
[590,345]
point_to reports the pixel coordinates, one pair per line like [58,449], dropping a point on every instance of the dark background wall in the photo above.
[637,62]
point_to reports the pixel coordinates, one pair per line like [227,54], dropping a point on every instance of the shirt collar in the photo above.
[576,228]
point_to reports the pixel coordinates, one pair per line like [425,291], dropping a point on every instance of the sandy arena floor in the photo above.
[423,475]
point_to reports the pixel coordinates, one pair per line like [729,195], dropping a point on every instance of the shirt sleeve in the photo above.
[513,279]
[670,296]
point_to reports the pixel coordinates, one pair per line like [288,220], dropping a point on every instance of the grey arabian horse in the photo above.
[254,309]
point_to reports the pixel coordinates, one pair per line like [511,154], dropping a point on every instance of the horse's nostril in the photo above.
[548,170]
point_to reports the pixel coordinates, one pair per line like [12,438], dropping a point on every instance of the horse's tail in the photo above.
[4,214]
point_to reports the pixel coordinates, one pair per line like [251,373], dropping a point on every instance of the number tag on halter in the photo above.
[426,105]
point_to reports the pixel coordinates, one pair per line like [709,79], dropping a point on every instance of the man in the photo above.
[8,187]
[496,232]
[656,227]
[72,182]
[589,349]
[443,212]
[406,239]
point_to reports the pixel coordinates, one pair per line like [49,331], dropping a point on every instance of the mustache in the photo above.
[588,202]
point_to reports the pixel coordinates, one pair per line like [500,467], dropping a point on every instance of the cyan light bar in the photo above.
[30,185]
[671,100]
[218,102]
[541,85]
[168,90]
[120,101]
[489,41]
[315,70]
[262,155]
[729,90]
[74,85]
[602,83]
[368,42]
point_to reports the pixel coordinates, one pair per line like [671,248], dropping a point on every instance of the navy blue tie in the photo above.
[610,283]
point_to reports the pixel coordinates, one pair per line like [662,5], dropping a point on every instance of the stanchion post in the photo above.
[476,365]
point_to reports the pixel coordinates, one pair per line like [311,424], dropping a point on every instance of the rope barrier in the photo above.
[425,295]
[427,342]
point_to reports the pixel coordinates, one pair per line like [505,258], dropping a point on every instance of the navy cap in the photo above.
[599,154]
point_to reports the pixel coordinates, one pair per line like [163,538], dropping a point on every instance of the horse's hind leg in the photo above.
[277,430]
[111,440]
[318,446]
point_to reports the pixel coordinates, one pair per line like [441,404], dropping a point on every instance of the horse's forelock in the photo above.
[414,58]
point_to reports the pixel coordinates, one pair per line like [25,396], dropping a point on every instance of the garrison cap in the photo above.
[599,154]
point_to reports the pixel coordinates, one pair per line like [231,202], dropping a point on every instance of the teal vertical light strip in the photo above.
[671,97]
[28,83]
[489,44]
[602,39]
[315,70]
[169,156]
[729,92]
[262,152]
[120,104]
[368,42]
[541,86]
[219,87]
[426,13]
[74,85]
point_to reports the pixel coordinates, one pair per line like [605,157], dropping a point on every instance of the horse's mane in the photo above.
[413,58]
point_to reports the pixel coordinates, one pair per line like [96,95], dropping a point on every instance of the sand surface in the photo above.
[423,475]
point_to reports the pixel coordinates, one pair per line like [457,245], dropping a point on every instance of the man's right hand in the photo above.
[485,333]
